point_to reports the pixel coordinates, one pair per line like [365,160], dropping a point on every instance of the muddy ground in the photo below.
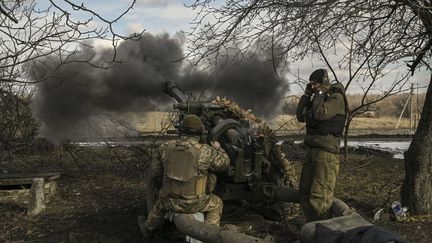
[102,190]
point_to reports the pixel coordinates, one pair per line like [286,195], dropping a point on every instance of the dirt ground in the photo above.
[102,190]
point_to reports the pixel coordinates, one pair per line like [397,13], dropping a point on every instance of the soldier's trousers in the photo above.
[317,183]
[211,205]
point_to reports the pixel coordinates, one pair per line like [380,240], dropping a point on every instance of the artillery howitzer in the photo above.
[252,175]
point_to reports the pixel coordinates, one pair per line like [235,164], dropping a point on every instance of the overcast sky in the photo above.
[171,16]
[155,16]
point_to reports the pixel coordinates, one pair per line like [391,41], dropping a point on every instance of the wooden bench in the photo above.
[32,189]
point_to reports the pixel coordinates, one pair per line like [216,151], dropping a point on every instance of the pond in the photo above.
[397,148]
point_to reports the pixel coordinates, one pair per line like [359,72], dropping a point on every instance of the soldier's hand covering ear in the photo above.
[308,90]
[318,90]
[323,88]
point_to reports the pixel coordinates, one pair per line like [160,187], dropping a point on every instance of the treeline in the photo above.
[391,106]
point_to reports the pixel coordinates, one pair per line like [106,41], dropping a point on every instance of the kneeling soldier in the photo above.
[184,165]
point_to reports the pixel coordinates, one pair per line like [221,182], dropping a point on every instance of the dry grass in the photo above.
[384,123]
[151,122]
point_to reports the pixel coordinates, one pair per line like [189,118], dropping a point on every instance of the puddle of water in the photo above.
[115,143]
[93,144]
[397,148]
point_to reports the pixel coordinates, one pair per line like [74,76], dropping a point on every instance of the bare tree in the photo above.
[30,31]
[17,126]
[374,42]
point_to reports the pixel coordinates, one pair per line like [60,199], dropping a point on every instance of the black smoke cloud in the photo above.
[253,84]
[72,95]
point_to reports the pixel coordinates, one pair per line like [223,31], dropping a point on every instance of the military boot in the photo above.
[147,234]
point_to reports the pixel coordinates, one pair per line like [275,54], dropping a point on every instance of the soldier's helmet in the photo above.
[191,124]
[319,76]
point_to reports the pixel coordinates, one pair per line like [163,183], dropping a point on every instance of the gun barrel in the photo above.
[172,90]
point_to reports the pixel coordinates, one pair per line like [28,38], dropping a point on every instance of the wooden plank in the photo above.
[47,176]
[12,182]
[22,179]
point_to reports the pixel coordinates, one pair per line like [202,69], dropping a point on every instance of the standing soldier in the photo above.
[323,107]
[185,166]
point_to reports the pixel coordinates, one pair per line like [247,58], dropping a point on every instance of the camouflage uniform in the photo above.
[187,193]
[325,116]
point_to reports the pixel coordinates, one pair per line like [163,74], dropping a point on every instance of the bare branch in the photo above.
[8,15]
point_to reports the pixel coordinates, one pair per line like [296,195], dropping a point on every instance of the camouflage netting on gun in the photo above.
[259,129]
[236,111]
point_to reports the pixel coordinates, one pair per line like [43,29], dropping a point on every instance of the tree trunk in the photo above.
[416,191]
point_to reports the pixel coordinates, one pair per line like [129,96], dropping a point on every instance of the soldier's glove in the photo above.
[215,145]
[308,91]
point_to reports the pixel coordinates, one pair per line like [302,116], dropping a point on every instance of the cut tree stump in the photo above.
[37,197]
